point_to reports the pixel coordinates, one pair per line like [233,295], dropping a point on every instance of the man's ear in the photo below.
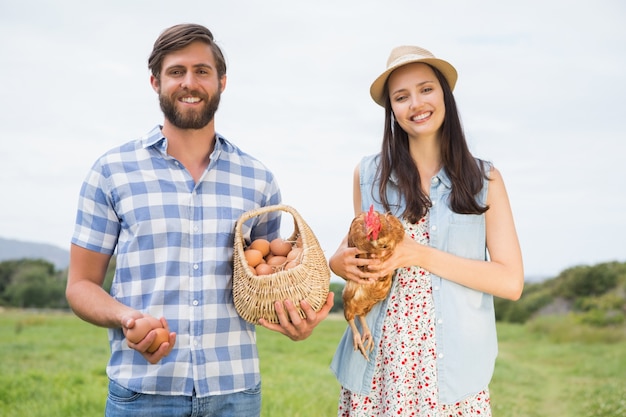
[223,83]
[154,82]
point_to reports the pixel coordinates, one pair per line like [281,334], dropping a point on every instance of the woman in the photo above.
[435,335]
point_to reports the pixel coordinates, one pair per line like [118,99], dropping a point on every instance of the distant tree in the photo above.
[35,284]
[14,271]
[337,288]
[6,272]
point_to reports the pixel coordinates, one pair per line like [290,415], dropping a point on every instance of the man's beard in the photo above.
[190,119]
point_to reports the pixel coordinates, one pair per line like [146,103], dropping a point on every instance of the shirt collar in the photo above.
[442,176]
[154,138]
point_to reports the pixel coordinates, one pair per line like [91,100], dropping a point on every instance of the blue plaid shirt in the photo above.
[174,242]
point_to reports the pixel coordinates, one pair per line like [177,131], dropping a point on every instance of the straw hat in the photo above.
[403,55]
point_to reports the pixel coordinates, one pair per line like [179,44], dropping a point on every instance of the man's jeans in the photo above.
[122,402]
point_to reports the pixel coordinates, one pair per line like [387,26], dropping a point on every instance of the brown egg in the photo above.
[141,328]
[262,245]
[253,257]
[291,264]
[280,247]
[156,323]
[294,254]
[277,260]
[161,336]
[264,269]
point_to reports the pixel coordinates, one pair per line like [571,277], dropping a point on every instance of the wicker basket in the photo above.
[254,296]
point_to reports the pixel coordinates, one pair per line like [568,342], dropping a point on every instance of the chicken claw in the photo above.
[365,342]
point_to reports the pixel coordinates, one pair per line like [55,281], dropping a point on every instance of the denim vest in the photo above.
[465,330]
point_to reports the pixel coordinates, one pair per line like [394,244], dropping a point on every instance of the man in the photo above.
[168,203]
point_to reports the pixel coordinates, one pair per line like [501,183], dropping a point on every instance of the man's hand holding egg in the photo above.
[141,328]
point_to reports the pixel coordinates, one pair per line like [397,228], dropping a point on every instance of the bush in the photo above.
[607,302]
[583,281]
[600,318]
[534,298]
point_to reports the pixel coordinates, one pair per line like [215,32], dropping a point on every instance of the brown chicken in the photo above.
[377,234]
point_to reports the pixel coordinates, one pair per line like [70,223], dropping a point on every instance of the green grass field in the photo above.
[52,365]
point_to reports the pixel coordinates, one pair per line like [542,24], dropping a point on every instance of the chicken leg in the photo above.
[363,342]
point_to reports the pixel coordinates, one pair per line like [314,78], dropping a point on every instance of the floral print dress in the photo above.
[405,377]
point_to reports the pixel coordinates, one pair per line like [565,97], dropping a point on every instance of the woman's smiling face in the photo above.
[417,99]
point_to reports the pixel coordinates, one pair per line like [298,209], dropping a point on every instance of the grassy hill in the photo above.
[593,295]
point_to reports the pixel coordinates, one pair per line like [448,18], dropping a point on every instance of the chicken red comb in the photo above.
[372,224]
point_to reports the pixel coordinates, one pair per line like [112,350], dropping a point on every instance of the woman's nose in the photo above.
[415,102]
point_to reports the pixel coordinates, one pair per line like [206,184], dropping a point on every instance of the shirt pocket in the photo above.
[466,235]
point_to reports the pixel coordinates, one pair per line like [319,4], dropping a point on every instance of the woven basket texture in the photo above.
[254,296]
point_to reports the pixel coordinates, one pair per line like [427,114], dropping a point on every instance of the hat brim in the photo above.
[377,90]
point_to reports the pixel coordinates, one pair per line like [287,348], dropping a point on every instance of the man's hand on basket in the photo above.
[291,324]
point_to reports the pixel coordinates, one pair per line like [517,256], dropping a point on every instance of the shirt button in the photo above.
[435,180]
[195,302]
[434,227]
[195,228]
[195,266]
[439,321]
[436,288]
[440,356]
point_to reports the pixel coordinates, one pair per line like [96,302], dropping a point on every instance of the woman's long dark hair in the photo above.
[465,174]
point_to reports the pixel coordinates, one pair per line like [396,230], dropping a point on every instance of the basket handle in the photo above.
[262,210]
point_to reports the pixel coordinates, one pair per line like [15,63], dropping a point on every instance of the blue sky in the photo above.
[541,93]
